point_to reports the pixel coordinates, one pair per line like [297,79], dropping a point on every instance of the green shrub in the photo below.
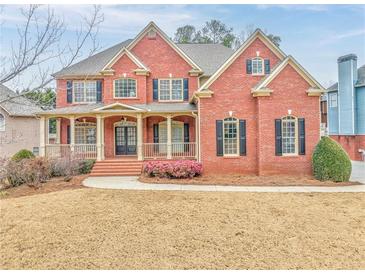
[86,166]
[330,161]
[22,154]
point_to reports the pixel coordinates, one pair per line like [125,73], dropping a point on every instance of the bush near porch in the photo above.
[173,169]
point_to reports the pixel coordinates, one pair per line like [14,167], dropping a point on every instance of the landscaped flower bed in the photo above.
[173,169]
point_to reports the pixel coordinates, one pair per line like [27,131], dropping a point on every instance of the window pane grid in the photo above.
[125,88]
[230,136]
[85,133]
[288,135]
[84,92]
[170,89]
[257,65]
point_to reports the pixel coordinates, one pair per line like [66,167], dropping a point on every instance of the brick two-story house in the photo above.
[252,111]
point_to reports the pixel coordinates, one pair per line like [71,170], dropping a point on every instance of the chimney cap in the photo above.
[347,58]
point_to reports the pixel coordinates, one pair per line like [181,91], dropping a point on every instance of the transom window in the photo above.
[257,66]
[333,100]
[289,135]
[170,89]
[84,91]
[125,88]
[230,136]
[2,122]
[85,133]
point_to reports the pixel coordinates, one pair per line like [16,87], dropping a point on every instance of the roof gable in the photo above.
[117,106]
[258,34]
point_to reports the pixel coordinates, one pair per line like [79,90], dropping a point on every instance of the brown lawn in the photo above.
[116,229]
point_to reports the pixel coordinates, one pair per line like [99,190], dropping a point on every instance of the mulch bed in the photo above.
[245,180]
[55,184]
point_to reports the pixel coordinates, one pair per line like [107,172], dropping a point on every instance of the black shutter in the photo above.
[219,137]
[242,137]
[99,91]
[249,66]
[301,130]
[186,137]
[69,92]
[186,89]
[278,140]
[155,138]
[155,89]
[267,66]
[68,135]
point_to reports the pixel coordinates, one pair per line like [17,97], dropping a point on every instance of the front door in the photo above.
[125,140]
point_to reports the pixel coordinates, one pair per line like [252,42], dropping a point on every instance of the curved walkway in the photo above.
[132,183]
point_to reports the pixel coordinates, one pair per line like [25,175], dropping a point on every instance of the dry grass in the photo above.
[245,180]
[116,229]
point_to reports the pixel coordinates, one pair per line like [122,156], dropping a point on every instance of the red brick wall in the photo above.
[351,144]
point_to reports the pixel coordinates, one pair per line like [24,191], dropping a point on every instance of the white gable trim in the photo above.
[124,51]
[152,25]
[107,107]
[292,62]
[257,34]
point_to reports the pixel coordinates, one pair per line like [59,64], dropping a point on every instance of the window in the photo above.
[2,122]
[85,133]
[170,89]
[333,100]
[84,91]
[125,88]
[257,66]
[289,135]
[230,136]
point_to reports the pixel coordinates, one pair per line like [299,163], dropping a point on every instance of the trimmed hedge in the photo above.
[173,169]
[22,154]
[330,161]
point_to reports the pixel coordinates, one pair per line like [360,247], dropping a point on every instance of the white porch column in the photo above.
[196,138]
[139,137]
[102,139]
[58,131]
[72,133]
[98,138]
[169,137]
[42,136]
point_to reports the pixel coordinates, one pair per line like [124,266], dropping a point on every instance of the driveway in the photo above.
[358,171]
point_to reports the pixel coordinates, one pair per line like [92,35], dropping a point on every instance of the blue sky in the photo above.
[316,35]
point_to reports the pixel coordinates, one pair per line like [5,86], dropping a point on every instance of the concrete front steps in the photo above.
[117,167]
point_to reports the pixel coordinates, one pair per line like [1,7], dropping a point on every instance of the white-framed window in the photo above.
[84,91]
[257,66]
[230,136]
[2,122]
[85,133]
[125,88]
[333,100]
[170,90]
[289,135]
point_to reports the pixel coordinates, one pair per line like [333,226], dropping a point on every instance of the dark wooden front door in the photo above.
[125,140]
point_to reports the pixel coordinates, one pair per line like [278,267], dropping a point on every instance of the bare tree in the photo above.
[40,42]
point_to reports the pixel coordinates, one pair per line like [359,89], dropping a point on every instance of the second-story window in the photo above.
[257,66]
[125,88]
[170,89]
[333,100]
[84,91]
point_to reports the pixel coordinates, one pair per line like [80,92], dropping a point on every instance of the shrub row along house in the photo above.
[253,111]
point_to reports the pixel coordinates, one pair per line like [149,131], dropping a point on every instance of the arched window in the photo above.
[2,122]
[85,133]
[289,135]
[125,88]
[257,66]
[230,136]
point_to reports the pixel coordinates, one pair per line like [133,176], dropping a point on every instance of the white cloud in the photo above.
[315,8]
[339,36]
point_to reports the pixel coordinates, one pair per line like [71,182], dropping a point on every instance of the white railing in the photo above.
[80,151]
[183,150]
[155,151]
[160,150]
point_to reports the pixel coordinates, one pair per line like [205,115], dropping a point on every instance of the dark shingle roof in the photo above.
[209,57]
[18,106]
[360,79]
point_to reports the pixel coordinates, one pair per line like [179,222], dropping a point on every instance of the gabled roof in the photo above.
[118,106]
[18,106]
[359,83]
[257,34]
[125,51]
[276,71]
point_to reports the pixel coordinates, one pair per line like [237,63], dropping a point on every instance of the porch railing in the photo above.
[178,150]
[80,151]
[155,150]
[183,150]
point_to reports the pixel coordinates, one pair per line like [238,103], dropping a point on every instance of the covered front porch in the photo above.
[117,131]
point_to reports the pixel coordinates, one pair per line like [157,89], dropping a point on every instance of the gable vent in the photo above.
[151,34]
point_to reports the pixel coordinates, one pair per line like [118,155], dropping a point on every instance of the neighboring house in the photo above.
[252,111]
[346,107]
[19,127]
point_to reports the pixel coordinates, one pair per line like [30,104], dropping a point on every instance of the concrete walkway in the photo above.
[132,183]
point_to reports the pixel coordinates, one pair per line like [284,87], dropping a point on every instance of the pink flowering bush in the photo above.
[173,169]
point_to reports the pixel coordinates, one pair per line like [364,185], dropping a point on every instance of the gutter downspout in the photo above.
[197,129]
